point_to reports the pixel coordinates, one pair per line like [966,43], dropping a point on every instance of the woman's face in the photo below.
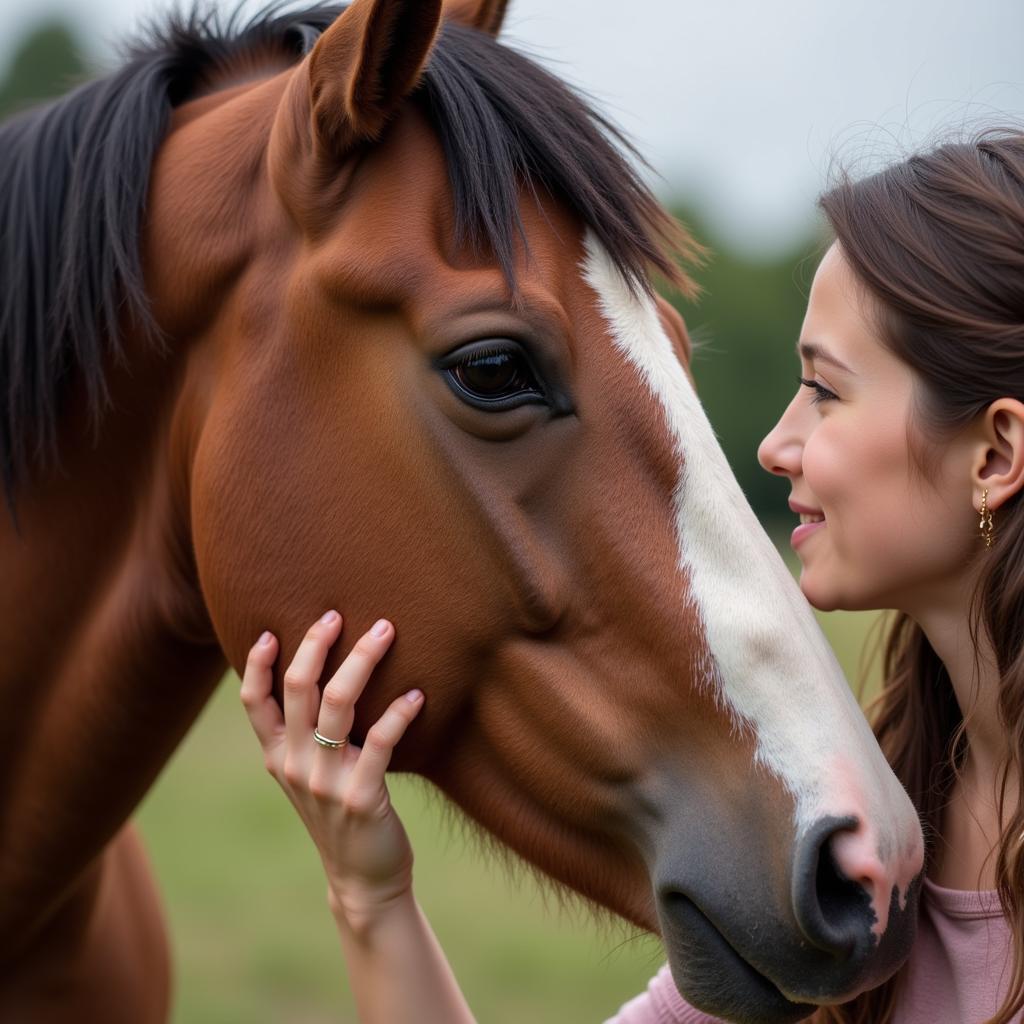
[874,533]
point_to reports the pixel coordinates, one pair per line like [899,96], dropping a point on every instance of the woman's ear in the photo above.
[999,464]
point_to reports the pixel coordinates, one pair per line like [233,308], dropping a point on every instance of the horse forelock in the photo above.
[505,122]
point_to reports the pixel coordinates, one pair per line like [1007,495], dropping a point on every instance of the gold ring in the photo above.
[330,744]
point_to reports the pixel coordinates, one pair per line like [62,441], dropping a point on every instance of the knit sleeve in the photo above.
[661,1003]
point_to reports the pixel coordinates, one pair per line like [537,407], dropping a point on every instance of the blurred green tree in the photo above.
[745,327]
[48,63]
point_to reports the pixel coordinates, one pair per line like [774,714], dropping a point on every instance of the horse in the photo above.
[352,307]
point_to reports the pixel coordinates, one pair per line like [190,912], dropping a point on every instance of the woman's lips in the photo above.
[810,522]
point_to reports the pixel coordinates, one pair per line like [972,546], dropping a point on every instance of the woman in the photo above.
[904,448]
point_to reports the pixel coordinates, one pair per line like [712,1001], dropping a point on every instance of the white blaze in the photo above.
[773,666]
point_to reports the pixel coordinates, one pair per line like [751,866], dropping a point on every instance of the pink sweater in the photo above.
[956,972]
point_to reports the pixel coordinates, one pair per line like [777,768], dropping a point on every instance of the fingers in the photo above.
[287,739]
[340,694]
[257,693]
[367,778]
[300,678]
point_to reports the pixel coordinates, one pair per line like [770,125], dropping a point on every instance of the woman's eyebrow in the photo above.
[814,353]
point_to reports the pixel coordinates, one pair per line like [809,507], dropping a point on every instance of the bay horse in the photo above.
[351,307]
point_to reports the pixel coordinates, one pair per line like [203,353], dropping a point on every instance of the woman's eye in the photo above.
[821,393]
[498,378]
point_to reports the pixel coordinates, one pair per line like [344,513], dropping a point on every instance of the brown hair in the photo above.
[938,241]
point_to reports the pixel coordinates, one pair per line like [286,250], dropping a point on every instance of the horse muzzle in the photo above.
[744,945]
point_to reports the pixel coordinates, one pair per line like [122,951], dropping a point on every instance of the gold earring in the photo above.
[988,532]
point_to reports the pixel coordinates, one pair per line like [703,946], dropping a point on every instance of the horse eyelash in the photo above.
[498,350]
[821,393]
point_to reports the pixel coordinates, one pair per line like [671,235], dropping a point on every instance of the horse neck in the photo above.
[118,504]
[108,650]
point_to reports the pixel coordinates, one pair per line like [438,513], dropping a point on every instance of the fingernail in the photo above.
[265,637]
[380,627]
[414,696]
[329,617]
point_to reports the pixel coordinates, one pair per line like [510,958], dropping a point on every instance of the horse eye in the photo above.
[494,378]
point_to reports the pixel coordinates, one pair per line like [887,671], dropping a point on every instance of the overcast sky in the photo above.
[740,104]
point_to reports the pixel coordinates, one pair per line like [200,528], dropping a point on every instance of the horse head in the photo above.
[429,379]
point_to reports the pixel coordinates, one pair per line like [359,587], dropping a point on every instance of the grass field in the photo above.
[254,942]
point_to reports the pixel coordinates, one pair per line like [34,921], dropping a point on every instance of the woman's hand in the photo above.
[339,792]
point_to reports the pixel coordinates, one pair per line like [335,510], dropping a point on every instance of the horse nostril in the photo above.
[834,911]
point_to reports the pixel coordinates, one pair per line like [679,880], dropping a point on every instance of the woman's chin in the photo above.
[824,598]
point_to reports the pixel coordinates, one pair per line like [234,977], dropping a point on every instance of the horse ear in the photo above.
[366,64]
[485,15]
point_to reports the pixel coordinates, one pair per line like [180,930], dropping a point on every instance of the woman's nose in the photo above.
[781,451]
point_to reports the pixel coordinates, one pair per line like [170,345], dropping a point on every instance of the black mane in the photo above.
[74,176]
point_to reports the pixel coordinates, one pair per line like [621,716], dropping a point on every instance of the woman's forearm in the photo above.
[397,969]
[398,972]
